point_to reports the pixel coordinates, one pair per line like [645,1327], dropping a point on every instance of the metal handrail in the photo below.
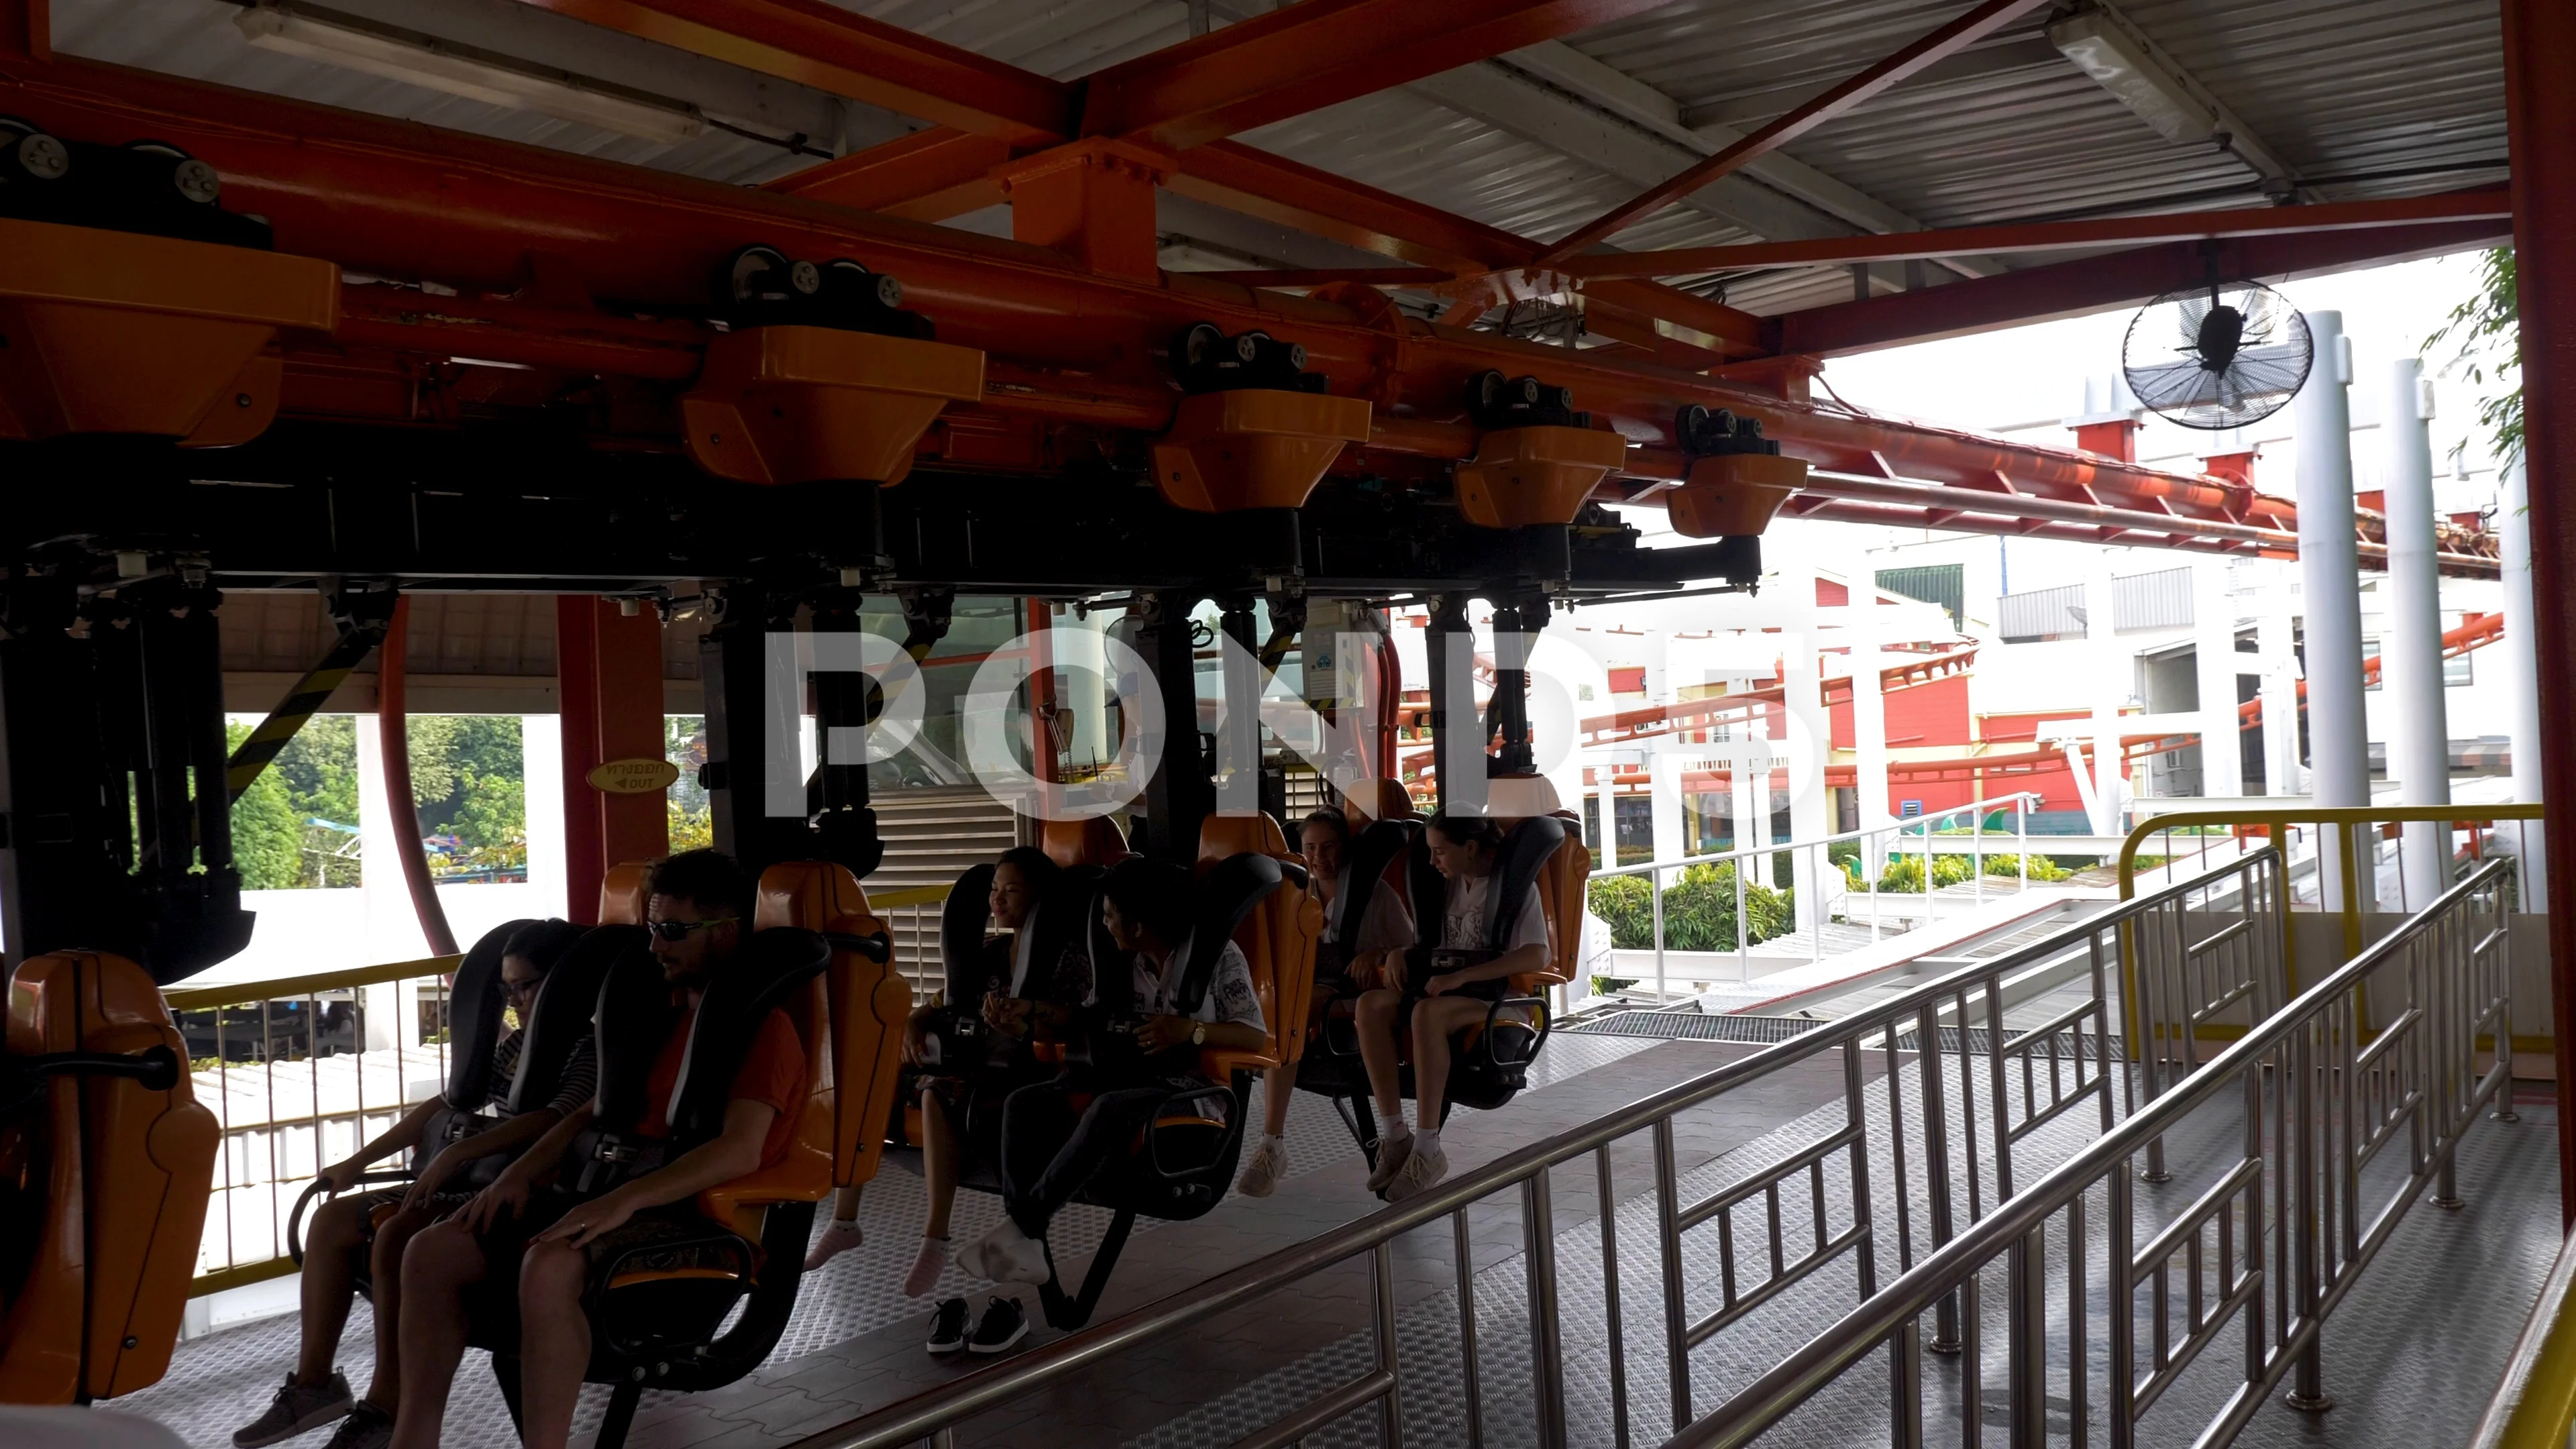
[1924,1009]
[2535,1406]
[2325,1236]
[278,988]
[1820,848]
[2306,812]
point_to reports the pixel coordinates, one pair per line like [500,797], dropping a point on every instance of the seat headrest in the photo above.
[961,930]
[807,895]
[1516,866]
[622,893]
[1376,799]
[474,1018]
[773,965]
[560,1016]
[1227,894]
[1222,837]
[1095,841]
[1518,797]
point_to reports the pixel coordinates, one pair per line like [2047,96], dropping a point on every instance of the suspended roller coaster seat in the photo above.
[818,954]
[1385,854]
[559,1019]
[1250,892]
[1733,495]
[115,332]
[623,891]
[109,1162]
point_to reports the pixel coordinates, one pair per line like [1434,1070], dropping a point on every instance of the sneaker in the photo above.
[1003,1327]
[1392,1154]
[948,1326]
[367,1427]
[1420,1170]
[838,1238]
[297,1408]
[1261,1175]
[1006,1255]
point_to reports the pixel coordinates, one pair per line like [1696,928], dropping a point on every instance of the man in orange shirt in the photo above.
[697,915]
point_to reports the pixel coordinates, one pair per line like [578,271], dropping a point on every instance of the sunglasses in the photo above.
[682,930]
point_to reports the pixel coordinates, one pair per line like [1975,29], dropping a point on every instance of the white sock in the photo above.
[1394,1129]
[1273,1139]
[850,1223]
[1426,1143]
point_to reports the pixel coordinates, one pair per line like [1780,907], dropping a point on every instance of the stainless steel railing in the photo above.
[1996,1052]
[2381,1054]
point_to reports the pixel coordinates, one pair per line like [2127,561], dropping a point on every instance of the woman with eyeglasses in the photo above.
[346,1226]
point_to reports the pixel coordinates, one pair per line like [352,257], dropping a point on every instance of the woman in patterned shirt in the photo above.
[347,1226]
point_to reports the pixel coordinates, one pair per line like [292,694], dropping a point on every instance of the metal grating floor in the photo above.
[221,1381]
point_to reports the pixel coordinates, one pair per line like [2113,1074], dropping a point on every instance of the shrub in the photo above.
[2041,867]
[1699,910]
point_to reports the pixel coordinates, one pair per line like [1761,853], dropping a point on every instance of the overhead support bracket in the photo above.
[1736,480]
[1254,447]
[1534,475]
[116,332]
[800,404]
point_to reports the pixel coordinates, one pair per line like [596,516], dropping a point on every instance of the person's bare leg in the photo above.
[1376,1015]
[845,1203]
[940,1165]
[1276,1083]
[329,1285]
[385,1388]
[438,1267]
[554,1342]
[1435,1022]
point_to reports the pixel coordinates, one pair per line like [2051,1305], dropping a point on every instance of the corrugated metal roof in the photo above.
[2378,97]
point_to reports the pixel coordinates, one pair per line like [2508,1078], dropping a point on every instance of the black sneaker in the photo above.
[367,1427]
[948,1326]
[296,1409]
[1003,1327]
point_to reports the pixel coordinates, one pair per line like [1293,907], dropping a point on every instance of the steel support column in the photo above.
[2338,742]
[2540,125]
[608,670]
[1182,793]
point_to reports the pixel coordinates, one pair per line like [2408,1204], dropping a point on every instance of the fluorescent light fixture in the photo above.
[2127,67]
[356,43]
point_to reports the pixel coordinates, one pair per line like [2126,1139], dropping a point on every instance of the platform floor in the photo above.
[2412,1354]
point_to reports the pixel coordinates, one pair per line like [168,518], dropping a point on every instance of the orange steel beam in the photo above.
[400,200]
[2488,204]
[1273,188]
[929,175]
[830,49]
[1956,36]
[2117,279]
[1315,54]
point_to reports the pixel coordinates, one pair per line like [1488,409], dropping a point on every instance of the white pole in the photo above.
[1869,732]
[2329,575]
[549,862]
[1810,743]
[2213,612]
[1664,784]
[2114,672]
[2410,646]
[2280,690]
[2521,667]
[1605,773]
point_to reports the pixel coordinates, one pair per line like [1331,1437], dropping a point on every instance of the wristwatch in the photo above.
[1198,1034]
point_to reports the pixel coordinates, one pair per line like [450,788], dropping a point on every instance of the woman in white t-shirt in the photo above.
[1342,968]
[1464,850]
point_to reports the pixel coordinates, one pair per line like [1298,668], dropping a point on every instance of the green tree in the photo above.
[2487,332]
[319,768]
[268,838]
